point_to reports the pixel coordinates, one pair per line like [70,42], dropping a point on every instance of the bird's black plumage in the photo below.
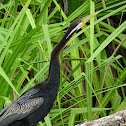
[35,104]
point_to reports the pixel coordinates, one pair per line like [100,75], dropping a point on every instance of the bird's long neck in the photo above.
[55,55]
[54,69]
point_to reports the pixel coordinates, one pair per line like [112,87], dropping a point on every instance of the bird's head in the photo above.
[76,25]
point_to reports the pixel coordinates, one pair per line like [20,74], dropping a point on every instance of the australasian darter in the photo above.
[35,103]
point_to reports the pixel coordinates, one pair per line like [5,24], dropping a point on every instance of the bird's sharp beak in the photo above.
[81,23]
[85,20]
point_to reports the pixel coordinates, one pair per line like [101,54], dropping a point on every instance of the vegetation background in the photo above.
[30,29]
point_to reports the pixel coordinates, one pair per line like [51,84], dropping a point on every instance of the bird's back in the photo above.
[30,108]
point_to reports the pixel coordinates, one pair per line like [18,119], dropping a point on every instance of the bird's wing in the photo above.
[22,107]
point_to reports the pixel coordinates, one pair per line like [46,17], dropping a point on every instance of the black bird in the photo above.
[35,104]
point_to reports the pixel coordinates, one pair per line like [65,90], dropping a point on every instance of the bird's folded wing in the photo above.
[22,107]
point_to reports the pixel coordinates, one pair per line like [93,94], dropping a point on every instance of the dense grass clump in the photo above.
[93,65]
